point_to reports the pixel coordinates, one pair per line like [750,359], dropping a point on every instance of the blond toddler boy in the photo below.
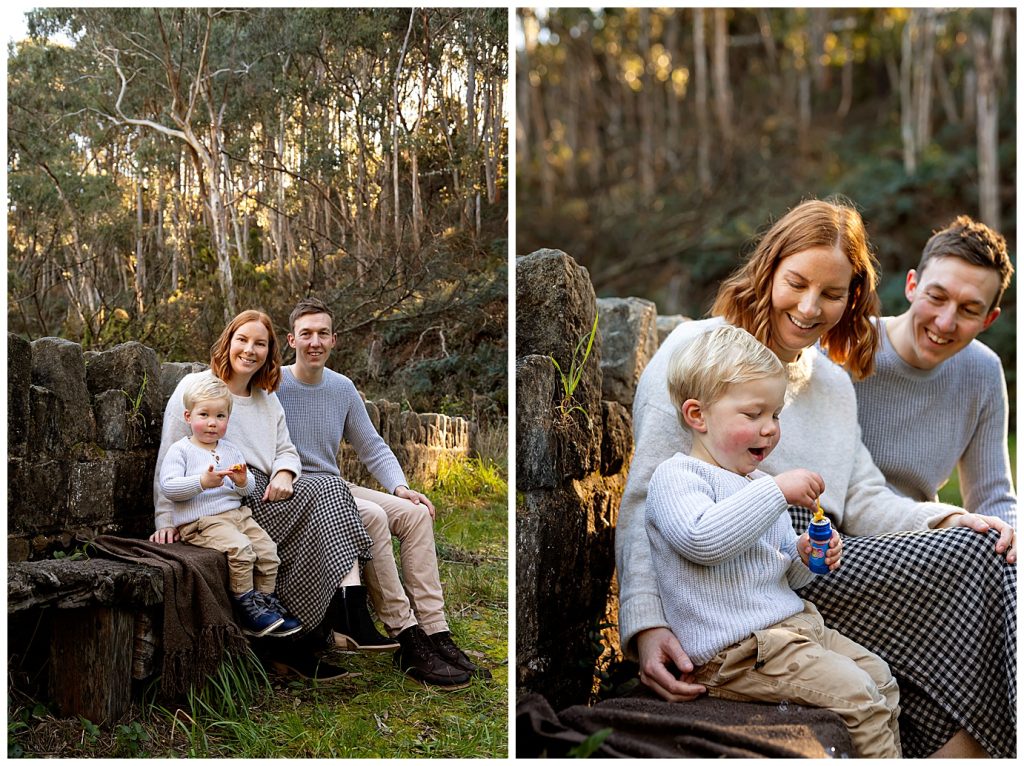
[728,559]
[205,476]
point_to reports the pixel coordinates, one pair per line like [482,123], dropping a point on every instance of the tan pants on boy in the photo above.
[801,661]
[252,554]
[420,601]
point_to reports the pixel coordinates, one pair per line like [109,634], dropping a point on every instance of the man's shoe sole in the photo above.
[420,683]
[348,643]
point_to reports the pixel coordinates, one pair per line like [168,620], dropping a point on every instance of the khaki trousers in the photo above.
[800,660]
[252,555]
[420,600]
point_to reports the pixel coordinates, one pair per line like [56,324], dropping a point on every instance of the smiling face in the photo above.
[209,421]
[738,430]
[248,350]
[313,338]
[949,307]
[810,290]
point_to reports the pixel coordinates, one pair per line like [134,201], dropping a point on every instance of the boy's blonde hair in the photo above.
[715,360]
[204,389]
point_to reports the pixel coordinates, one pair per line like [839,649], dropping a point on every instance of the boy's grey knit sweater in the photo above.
[919,425]
[724,554]
[320,416]
[180,480]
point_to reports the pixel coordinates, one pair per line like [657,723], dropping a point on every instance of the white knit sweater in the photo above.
[819,432]
[724,553]
[257,427]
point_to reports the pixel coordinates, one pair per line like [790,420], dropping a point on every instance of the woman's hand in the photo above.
[657,648]
[832,555]
[280,487]
[165,535]
[415,497]
[1007,542]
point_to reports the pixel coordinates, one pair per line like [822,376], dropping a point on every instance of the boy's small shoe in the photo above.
[290,624]
[453,655]
[256,619]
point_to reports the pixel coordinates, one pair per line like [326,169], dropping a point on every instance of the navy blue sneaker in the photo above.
[289,626]
[256,618]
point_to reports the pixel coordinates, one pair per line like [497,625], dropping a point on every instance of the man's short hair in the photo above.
[205,389]
[975,243]
[309,306]
[716,360]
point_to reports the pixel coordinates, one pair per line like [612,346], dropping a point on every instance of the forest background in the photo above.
[654,144]
[170,167]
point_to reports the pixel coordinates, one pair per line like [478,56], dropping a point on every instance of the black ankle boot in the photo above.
[353,626]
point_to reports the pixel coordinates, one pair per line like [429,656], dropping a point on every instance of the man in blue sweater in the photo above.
[322,408]
[931,363]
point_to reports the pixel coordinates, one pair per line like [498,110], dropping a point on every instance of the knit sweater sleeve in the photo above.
[372,450]
[174,428]
[286,457]
[682,506]
[872,508]
[175,483]
[985,478]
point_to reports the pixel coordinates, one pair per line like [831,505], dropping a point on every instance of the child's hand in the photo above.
[237,474]
[832,555]
[212,478]
[801,487]
[165,535]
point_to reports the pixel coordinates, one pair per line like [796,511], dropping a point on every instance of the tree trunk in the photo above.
[723,89]
[988,55]
[701,75]
[906,97]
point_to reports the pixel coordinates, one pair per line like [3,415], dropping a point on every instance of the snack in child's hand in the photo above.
[237,467]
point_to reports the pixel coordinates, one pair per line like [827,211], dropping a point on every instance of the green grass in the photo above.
[373,713]
[950,492]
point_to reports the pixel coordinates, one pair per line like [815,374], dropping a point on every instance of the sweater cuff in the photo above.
[939,513]
[640,613]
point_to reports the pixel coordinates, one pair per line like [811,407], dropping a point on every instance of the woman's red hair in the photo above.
[745,298]
[266,377]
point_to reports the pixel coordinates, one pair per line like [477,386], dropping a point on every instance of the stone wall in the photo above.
[570,471]
[84,432]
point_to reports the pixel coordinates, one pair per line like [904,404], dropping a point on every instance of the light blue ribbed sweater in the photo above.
[180,480]
[724,554]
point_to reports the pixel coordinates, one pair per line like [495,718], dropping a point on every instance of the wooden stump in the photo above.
[91,662]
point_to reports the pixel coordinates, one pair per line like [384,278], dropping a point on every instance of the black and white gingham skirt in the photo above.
[940,607]
[319,537]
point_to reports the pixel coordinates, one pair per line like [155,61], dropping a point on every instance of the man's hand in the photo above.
[165,535]
[414,497]
[1007,542]
[280,487]
[658,647]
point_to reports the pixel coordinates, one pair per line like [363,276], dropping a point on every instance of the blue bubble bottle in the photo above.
[820,534]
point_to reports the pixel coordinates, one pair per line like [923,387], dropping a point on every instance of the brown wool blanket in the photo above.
[198,626]
[644,726]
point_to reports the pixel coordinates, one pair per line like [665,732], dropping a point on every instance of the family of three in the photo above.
[796,395]
[248,466]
